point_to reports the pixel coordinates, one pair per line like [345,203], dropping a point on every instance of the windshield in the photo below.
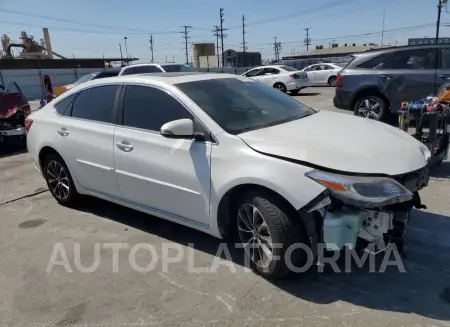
[240,105]
[177,68]
[85,78]
[289,68]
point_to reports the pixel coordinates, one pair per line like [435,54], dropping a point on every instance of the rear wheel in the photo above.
[332,81]
[267,228]
[371,107]
[59,180]
[280,87]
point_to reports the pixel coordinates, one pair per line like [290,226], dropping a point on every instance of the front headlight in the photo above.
[367,192]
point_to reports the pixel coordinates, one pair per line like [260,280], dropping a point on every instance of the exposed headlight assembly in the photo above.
[365,192]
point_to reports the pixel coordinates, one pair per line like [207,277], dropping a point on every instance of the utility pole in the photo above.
[307,40]
[222,35]
[441,3]
[186,37]
[121,57]
[244,44]
[217,34]
[151,45]
[126,47]
[277,48]
[382,29]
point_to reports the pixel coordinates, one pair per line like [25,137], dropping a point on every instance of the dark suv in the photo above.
[375,82]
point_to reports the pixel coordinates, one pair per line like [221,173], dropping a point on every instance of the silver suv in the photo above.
[375,82]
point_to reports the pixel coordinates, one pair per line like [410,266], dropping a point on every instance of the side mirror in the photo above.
[181,128]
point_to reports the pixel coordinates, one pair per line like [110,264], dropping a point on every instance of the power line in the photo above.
[186,37]
[307,40]
[244,44]
[151,45]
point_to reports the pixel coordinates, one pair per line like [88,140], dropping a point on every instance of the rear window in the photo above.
[177,68]
[351,58]
[288,68]
[141,70]
[106,74]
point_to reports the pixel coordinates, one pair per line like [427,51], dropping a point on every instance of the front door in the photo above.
[84,133]
[170,177]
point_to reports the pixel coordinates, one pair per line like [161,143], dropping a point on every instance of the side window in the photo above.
[445,59]
[64,107]
[149,108]
[272,71]
[376,62]
[96,104]
[328,67]
[407,59]
[253,72]
[317,68]
[309,69]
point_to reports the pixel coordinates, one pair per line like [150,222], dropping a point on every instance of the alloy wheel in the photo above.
[280,87]
[58,180]
[369,108]
[254,235]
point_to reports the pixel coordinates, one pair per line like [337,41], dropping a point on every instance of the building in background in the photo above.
[334,53]
[428,40]
[203,52]
[236,58]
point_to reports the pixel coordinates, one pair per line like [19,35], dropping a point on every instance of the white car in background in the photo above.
[323,74]
[282,77]
[233,158]
[155,68]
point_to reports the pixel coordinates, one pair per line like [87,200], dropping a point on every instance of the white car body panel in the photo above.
[282,77]
[342,142]
[184,181]
[321,77]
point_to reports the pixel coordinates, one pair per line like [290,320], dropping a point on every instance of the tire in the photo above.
[378,107]
[332,81]
[274,223]
[294,92]
[280,87]
[61,186]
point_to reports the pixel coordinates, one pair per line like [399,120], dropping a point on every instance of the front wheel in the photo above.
[280,87]
[270,235]
[371,107]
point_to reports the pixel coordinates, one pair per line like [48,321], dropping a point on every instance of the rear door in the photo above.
[269,76]
[84,132]
[407,75]
[443,73]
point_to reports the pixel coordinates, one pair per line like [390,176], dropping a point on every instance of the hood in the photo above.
[341,142]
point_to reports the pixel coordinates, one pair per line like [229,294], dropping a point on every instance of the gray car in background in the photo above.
[376,82]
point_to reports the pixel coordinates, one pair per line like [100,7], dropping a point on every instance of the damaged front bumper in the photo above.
[344,213]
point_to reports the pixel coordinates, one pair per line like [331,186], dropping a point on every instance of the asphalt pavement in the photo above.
[47,251]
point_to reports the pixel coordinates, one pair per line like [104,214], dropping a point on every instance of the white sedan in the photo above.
[323,74]
[281,77]
[231,157]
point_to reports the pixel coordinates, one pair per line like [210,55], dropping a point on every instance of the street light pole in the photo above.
[126,48]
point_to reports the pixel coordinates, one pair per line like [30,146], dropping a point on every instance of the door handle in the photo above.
[445,76]
[386,76]
[63,132]
[124,147]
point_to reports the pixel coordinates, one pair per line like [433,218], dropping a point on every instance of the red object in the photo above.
[294,76]
[339,80]
[28,123]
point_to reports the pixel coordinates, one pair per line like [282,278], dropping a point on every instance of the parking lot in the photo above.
[116,294]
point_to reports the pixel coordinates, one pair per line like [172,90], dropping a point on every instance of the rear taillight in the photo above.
[294,76]
[28,123]
[339,80]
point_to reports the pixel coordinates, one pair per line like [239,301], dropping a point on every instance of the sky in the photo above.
[95,28]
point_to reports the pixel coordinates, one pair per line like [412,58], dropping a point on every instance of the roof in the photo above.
[163,78]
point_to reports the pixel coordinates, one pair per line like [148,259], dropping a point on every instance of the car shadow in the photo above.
[422,289]
[8,151]
[307,94]
[441,171]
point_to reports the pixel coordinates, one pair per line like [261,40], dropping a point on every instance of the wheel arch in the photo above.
[228,202]
[368,91]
